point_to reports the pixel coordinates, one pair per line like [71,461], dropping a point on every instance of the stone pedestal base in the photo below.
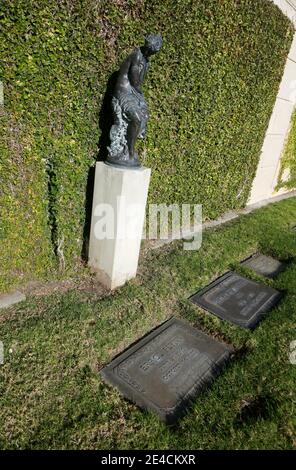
[119,202]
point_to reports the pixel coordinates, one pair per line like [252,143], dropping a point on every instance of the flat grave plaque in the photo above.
[264,265]
[165,369]
[237,299]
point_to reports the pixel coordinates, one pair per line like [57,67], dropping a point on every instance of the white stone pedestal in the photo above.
[118,212]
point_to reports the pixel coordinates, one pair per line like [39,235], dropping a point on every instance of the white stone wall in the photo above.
[288,7]
[269,164]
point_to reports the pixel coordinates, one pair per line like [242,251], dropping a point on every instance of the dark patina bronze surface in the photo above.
[167,368]
[237,299]
[264,265]
[130,109]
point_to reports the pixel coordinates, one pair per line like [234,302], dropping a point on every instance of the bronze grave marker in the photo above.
[167,368]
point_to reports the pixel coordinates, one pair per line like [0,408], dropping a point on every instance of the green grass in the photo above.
[52,395]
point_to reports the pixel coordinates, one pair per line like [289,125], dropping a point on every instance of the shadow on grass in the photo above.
[258,407]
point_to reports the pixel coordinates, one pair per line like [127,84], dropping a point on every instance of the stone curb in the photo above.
[6,300]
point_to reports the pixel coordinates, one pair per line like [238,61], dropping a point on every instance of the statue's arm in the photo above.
[129,73]
[146,70]
[124,68]
[136,72]
[123,75]
[126,64]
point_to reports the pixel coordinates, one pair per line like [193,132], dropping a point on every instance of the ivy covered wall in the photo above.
[211,91]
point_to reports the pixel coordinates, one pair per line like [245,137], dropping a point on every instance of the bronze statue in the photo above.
[129,106]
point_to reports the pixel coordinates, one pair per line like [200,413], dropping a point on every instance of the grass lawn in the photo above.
[52,396]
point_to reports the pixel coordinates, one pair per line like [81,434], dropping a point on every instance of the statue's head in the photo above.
[153,43]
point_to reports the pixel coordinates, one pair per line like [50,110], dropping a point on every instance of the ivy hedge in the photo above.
[211,91]
[287,177]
